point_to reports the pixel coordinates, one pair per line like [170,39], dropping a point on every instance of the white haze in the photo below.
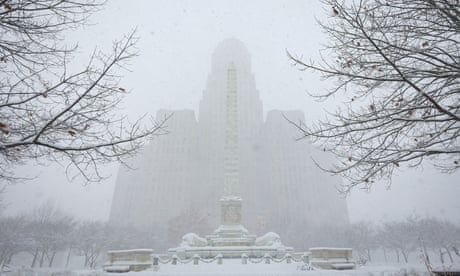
[175,46]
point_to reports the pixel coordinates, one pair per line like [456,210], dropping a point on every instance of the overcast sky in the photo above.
[176,40]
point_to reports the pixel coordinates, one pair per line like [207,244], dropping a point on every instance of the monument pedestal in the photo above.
[231,232]
[231,239]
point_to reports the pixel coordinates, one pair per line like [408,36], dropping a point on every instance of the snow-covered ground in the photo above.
[21,267]
[233,267]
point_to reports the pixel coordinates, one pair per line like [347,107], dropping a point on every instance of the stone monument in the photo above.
[231,232]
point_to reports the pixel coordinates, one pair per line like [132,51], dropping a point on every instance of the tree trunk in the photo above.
[34,260]
[369,258]
[449,254]
[1,264]
[385,255]
[92,263]
[93,258]
[42,258]
[456,251]
[397,255]
[5,258]
[405,255]
[86,259]
[427,255]
[53,254]
[425,251]
[68,257]
[9,257]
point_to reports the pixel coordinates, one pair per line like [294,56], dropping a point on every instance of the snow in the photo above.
[235,268]
[338,260]
[145,250]
[330,248]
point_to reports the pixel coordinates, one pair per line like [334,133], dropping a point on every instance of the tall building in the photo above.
[179,178]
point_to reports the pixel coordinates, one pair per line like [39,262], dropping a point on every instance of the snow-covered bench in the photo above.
[128,260]
[331,258]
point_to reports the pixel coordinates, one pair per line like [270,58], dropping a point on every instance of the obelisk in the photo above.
[231,164]
[231,200]
[231,232]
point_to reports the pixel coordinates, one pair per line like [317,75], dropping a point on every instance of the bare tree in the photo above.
[363,239]
[49,231]
[12,238]
[47,111]
[397,64]
[399,236]
[439,235]
[92,239]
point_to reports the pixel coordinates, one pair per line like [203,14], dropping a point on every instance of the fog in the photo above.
[176,40]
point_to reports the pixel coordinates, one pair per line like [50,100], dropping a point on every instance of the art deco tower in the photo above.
[180,176]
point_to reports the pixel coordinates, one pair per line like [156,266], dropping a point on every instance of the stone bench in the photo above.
[128,260]
[332,258]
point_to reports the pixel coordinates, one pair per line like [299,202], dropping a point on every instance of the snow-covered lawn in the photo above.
[234,268]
